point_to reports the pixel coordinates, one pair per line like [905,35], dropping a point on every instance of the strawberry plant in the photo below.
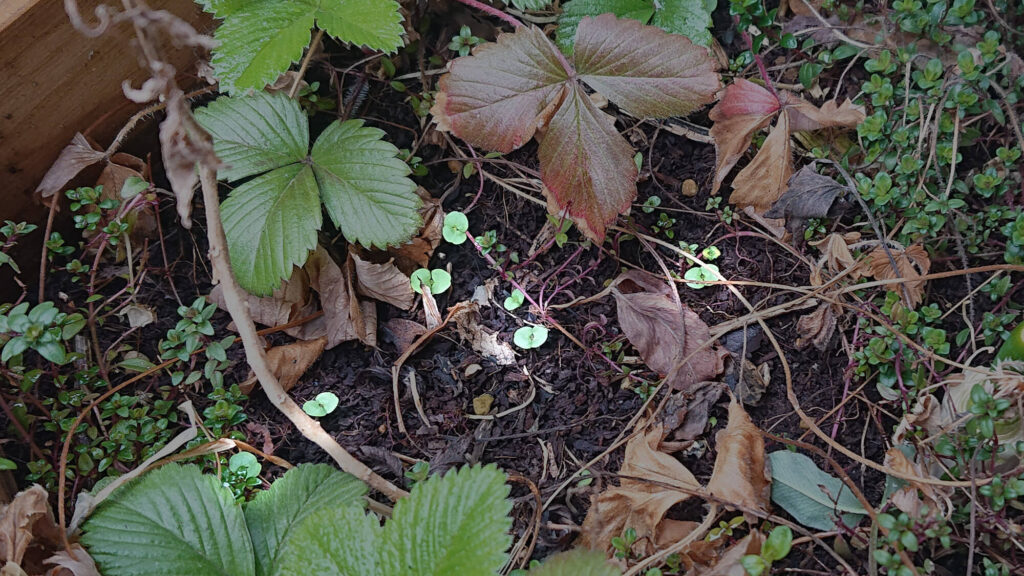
[523,86]
[312,520]
[690,18]
[271,221]
[259,39]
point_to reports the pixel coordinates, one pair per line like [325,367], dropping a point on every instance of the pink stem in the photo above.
[493,12]
[759,61]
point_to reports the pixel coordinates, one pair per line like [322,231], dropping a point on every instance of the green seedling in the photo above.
[455,226]
[246,464]
[529,337]
[322,405]
[437,280]
[699,274]
[515,300]
[775,547]
[710,253]
[464,42]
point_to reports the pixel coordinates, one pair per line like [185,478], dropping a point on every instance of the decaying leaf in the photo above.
[289,362]
[292,301]
[686,414]
[729,562]
[26,519]
[913,497]
[138,315]
[75,157]
[817,327]
[664,334]
[652,482]
[742,475]
[384,282]
[404,332]
[744,109]
[345,316]
[521,87]
[416,253]
[911,264]
[835,251]
[481,338]
[809,195]
[77,562]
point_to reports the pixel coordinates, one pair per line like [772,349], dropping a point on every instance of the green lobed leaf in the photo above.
[375,24]
[339,540]
[653,74]
[274,516]
[797,488]
[455,524]
[260,39]
[365,186]
[172,521]
[531,4]
[271,223]
[577,562]
[254,134]
[690,18]
[258,42]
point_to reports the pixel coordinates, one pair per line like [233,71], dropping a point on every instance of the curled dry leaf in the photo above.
[729,562]
[416,253]
[835,252]
[384,282]
[290,362]
[292,301]
[75,157]
[686,414]
[652,482]
[745,108]
[817,327]
[404,332]
[77,562]
[26,519]
[345,316]
[138,315]
[911,264]
[808,195]
[913,497]
[742,475]
[663,333]
[481,338]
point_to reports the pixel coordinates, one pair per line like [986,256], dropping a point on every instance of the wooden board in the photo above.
[56,82]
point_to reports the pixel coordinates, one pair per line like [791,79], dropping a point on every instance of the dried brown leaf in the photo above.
[416,253]
[914,496]
[741,475]
[384,282]
[911,264]
[24,520]
[292,301]
[729,562]
[808,195]
[817,327]
[345,317]
[290,361]
[75,157]
[481,338]
[805,116]
[77,562]
[762,182]
[652,482]
[664,334]
[404,332]
[835,249]
[744,109]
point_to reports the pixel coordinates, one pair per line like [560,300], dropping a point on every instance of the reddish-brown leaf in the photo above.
[817,327]
[643,69]
[663,333]
[744,109]
[345,317]
[500,95]
[75,157]
[384,282]
[741,475]
[290,361]
[805,116]
[586,165]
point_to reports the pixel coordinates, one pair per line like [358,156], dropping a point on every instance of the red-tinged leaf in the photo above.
[643,69]
[763,181]
[804,116]
[75,157]
[499,96]
[744,109]
[586,165]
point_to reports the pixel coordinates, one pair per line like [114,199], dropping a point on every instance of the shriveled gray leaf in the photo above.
[810,195]
[75,157]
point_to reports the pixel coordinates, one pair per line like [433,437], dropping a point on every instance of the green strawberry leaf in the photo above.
[690,18]
[260,39]
[365,186]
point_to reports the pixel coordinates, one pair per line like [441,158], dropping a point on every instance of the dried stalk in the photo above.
[235,302]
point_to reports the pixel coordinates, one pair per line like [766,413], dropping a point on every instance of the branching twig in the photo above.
[493,12]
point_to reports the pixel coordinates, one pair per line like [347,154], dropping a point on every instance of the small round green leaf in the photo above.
[710,253]
[245,462]
[515,300]
[455,226]
[438,281]
[322,405]
[699,274]
[529,337]
[6,464]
